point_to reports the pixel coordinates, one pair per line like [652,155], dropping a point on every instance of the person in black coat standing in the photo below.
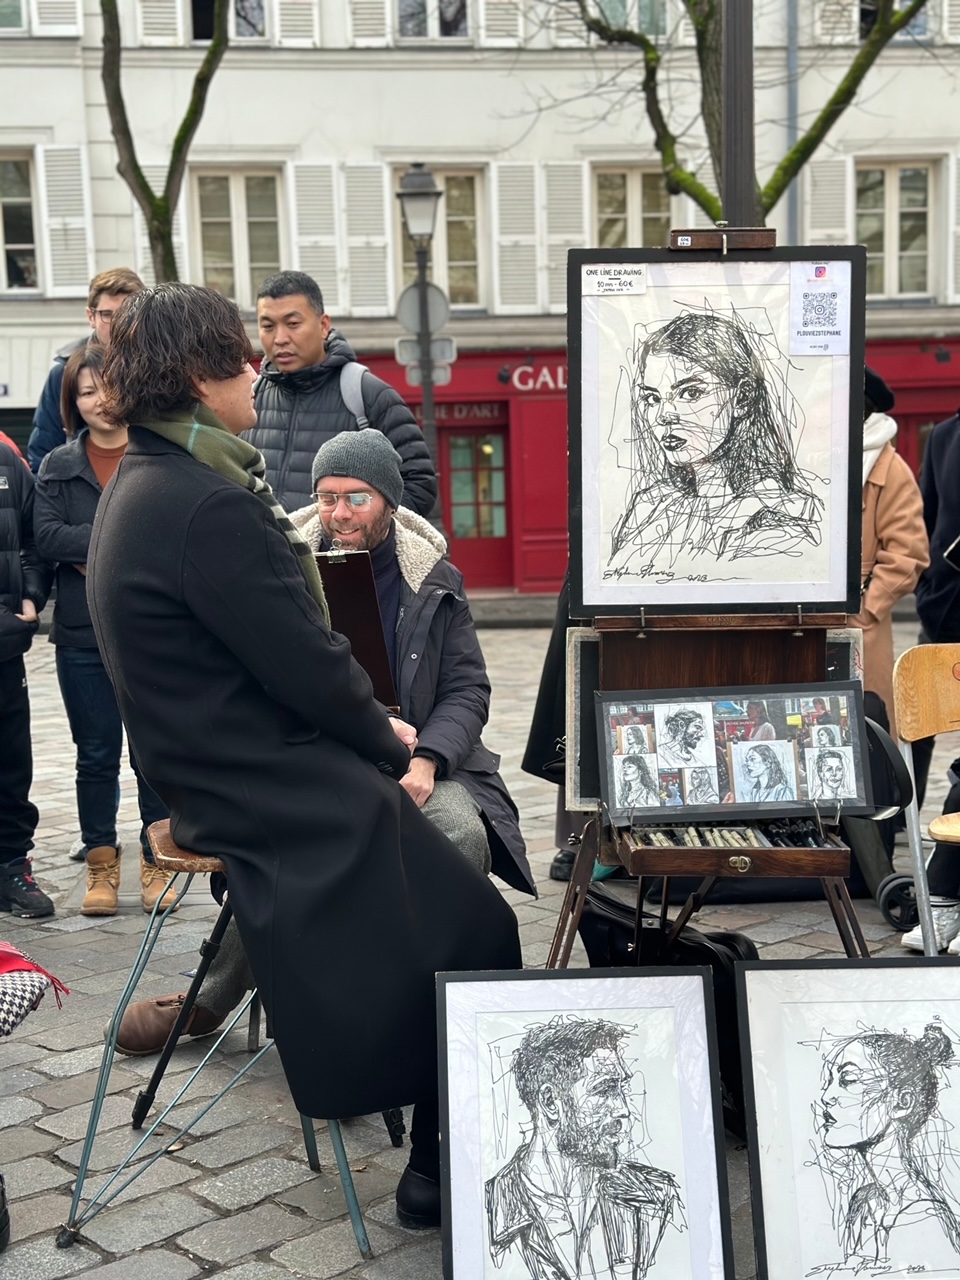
[299,401]
[259,731]
[24,586]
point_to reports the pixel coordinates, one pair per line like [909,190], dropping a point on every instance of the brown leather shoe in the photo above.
[147,1024]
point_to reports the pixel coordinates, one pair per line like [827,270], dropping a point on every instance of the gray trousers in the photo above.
[451,808]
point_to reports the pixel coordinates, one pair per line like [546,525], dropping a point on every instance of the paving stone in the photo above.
[67,1036]
[151,1264]
[774,931]
[786,951]
[16,1110]
[26,1177]
[72,1123]
[421,1262]
[232,1110]
[40,1215]
[110,1148]
[80,1088]
[322,1196]
[252,1182]
[241,1233]
[822,941]
[241,1144]
[331,1251]
[18,1080]
[22,1142]
[254,1271]
[159,1176]
[15,1055]
[146,1222]
[40,1259]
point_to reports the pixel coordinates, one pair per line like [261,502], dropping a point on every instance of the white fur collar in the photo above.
[419,545]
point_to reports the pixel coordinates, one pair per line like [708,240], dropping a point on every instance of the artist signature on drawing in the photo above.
[662,576]
[871,1269]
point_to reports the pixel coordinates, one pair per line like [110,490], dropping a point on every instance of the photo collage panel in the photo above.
[765,749]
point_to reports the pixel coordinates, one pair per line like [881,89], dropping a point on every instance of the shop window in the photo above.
[18,262]
[237,215]
[893,221]
[631,208]
[455,262]
[478,494]
[433,19]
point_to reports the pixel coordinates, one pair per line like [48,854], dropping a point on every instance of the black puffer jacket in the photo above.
[66,501]
[23,575]
[298,412]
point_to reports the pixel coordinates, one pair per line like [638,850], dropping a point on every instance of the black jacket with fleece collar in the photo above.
[298,412]
[442,683]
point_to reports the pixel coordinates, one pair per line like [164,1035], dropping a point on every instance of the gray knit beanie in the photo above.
[365,455]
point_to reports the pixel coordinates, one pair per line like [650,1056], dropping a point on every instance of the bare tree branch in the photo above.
[158,210]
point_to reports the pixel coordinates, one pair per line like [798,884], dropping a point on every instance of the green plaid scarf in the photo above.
[204,436]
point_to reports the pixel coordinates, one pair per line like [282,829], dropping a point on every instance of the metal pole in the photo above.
[739,167]
[793,112]
[429,423]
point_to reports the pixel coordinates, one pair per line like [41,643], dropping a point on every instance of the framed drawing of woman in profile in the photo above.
[716,412]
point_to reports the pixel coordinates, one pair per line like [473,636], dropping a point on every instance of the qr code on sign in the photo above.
[819,311]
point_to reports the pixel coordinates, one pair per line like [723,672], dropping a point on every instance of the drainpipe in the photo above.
[793,103]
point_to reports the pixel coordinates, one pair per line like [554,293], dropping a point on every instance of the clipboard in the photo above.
[348,584]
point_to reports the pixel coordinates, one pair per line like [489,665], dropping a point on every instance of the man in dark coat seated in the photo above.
[260,733]
[441,683]
[567,1200]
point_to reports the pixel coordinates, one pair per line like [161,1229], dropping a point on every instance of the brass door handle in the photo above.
[741,863]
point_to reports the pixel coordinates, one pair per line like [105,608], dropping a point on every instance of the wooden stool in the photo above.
[170,857]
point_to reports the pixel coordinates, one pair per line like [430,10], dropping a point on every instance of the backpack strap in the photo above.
[351,377]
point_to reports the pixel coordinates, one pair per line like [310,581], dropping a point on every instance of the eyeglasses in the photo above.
[105,316]
[328,501]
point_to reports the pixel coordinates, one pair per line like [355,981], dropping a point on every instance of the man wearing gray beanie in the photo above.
[443,691]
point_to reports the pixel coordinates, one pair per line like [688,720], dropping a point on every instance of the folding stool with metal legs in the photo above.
[170,857]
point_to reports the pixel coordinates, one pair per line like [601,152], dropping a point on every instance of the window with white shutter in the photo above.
[516,265]
[369,23]
[826,185]
[440,20]
[631,207]
[296,23]
[315,210]
[238,228]
[13,17]
[837,21]
[66,222]
[895,220]
[457,260]
[367,249]
[501,23]
[18,224]
[156,176]
[56,18]
[160,22]
[566,26]
[566,225]
[950,21]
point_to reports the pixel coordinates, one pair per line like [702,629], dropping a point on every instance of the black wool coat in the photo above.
[260,733]
[298,412]
[65,503]
[23,575]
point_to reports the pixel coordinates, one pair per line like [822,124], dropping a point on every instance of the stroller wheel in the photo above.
[897,901]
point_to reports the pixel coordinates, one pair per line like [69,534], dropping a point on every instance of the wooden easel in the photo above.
[669,651]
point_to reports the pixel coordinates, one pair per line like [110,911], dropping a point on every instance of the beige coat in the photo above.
[895,553]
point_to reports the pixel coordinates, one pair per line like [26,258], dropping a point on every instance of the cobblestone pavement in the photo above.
[237,1199]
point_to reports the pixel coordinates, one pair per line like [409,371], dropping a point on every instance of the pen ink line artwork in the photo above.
[712,454]
[764,772]
[885,1151]
[636,779]
[572,1202]
[830,773]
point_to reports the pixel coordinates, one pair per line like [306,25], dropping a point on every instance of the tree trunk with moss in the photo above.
[158,209]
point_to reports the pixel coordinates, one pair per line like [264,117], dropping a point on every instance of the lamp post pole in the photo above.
[739,172]
[422,251]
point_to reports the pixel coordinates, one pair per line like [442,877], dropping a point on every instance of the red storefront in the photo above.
[502,441]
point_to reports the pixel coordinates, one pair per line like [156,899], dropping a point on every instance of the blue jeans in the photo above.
[97,731]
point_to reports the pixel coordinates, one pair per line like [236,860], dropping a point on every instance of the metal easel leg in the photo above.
[349,1190]
[844,917]
[574,898]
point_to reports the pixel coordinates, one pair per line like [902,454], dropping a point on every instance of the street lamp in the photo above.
[419,197]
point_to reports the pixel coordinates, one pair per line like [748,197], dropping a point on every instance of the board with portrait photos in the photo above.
[763,752]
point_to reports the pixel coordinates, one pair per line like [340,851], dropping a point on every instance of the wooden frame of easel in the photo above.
[674,650]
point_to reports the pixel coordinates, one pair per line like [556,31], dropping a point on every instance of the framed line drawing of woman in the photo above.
[713,440]
[855,1157]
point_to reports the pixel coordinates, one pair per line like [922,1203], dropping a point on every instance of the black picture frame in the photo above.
[752,598]
[632,706]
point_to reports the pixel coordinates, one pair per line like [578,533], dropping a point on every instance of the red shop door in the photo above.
[473,468]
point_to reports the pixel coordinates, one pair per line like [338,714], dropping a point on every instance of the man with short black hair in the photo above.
[301,403]
[107,291]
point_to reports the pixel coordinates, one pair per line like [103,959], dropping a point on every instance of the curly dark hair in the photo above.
[164,341]
[554,1053]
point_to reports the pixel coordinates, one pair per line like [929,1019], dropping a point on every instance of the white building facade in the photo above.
[540,143]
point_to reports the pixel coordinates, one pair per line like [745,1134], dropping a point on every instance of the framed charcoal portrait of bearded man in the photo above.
[716,415]
[581,1136]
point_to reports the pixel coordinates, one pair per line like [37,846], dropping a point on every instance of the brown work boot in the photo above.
[103,881]
[153,885]
[146,1025]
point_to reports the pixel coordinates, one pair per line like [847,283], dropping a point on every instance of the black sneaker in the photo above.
[19,892]
[561,868]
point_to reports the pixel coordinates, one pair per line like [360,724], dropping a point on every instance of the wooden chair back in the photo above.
[926,691]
